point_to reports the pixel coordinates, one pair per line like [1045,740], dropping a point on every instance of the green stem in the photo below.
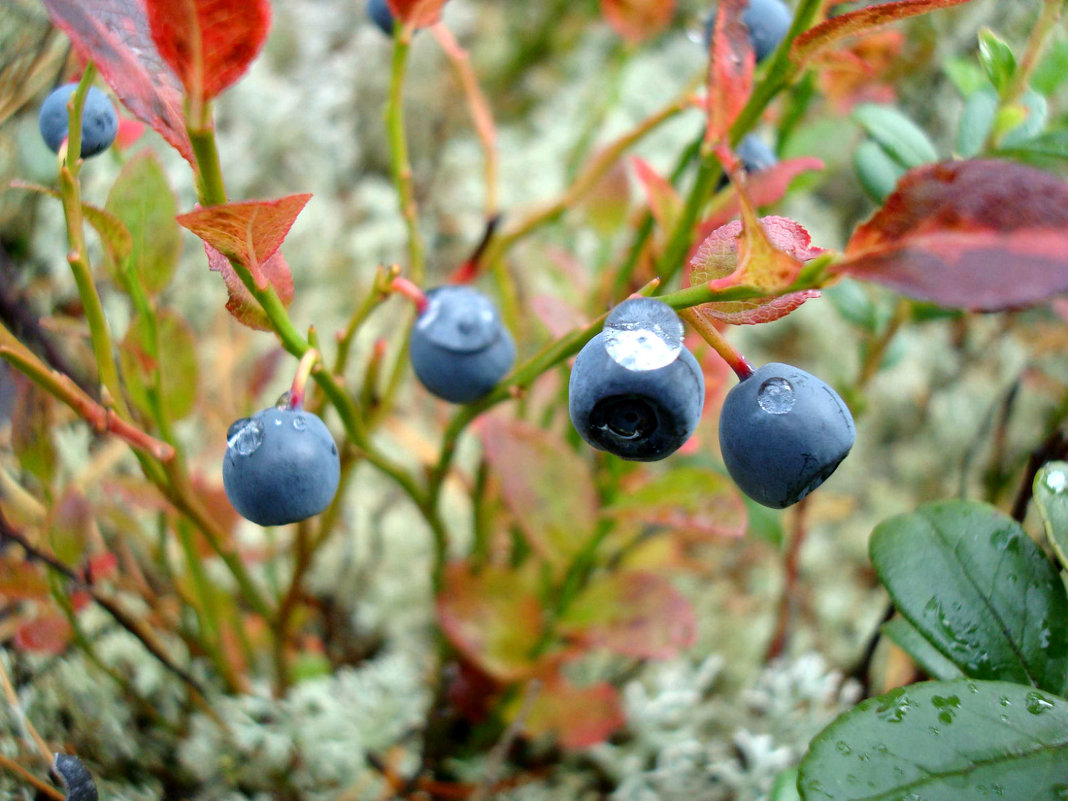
[398,151]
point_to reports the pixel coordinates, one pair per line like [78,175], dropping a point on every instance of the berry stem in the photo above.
[398,149]
[300,380]
[402,286]
[737,362]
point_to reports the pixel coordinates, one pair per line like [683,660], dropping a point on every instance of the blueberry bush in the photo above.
[653,400]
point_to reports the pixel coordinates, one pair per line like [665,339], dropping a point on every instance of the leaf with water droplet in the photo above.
[1051,496]
[921,757]
[947,568]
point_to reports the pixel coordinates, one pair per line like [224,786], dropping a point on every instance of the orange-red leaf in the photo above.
[249,232]
[578,716]
[638,20]
[635,614]
[48,633]
[765,187]
[545,484]
[240,303]
[208,43]
[721,259]
[730,70]
[115,35]
[21,580]
[984,235]
[694,503]
[828,33]
[417,13]
[492,617]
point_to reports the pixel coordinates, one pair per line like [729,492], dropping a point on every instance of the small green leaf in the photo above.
[877,172]
[176,361]
[902,139]
[1052,69]
[965,74]
[905,636]
[784,787]
[979,589]
[976,122]
[943,741]
[1035,111]
[1044,150]
[997,59]
[142,199]
[1051,495]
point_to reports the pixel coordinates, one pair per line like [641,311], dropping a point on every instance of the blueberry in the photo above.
[281,466]
[783,432]
[635,390]
[767,21]
[100,123]
[460,350]
[378,11]
[755,154]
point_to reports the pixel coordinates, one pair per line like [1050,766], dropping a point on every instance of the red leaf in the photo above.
[638,20]
[241,304]
[578,716]
[757,312]
[46,634]
[115,35]
[983,235]
[664,202]
[635,614]
[827,33]
[249,231]
[730,70]
[493,617]
[545,484]
[764,188]
[557,315]
[417,13]
[720,261]
[208,43]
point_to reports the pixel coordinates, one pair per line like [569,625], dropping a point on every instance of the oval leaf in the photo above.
[115,35]
[943,741]
[208,43]
[905,636]
[698,504]
[176,362]
[730,69]
[577,716]
[984,235]
[638,20]
[979,589]
[142,199]
[1051,495]
[241,304]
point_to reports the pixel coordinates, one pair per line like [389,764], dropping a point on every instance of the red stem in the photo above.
[402,286]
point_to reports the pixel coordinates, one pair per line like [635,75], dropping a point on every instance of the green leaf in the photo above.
[997,59]
[965,74]
[1048,149]
[176,361]
[1051,496]
[979,589]
[142,199]
[905,636]
[877,172]
[785,786]
[943,741]
[1035,111]
[902,139]
[1052,69]
[976,122]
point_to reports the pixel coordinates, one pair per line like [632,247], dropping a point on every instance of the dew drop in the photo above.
[1037,704]
[300,422]
[843,748]
[235,427]
[278,421]
[333,449]
[641,346]
[246,439]
[776,396]
[283,401]
[1057,481]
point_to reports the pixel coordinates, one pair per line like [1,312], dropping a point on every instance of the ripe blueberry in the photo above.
[635,390]
[460,350]
[755,154]
[281,466]
[378,11]
[100,122]
[767,21]
[783,432]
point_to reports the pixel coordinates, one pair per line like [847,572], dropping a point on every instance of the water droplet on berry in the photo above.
[1057,481]
[235,427]
[637,347]
[776,396]
[283,401]
[245,440]
[300,422]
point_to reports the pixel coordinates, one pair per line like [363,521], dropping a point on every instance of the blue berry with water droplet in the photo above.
[460,349]
[281,466]
[635,390]
[100,122]
[782,433]
[380,14]
[767,21]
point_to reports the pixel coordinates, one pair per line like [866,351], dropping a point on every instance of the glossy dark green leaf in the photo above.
[905,636]
[997,59]
[943,741]
[1051,496]
[979,589]
[142,199]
